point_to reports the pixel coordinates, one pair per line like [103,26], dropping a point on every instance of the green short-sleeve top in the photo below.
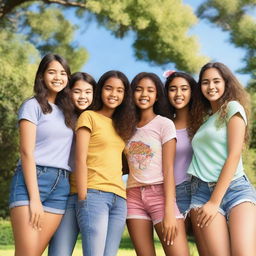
[210,146]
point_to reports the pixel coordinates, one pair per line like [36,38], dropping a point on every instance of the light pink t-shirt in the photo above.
[144,151]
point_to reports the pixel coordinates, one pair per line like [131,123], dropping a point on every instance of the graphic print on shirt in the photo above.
[140,155]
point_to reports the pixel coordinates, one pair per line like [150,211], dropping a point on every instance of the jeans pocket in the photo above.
[39,170]
[239,184]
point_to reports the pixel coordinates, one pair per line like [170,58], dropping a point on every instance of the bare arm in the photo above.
[236,131]
[27,132]
[169,224]
[83,136]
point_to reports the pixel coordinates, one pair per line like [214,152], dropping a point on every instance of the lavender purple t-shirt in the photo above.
[53,137]
[183,156]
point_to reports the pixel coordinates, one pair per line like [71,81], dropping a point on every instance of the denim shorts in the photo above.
[183,197]
[53,184]
[239,191]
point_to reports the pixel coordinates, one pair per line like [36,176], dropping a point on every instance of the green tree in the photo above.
[15,84]
[160,27]
[237,17]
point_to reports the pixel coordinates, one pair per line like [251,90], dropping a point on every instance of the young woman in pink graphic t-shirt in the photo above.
[151,188]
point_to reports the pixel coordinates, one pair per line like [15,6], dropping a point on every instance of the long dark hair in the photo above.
[193,116]
[233,91]
[82,76]
[124,115]
[160,107]
[41,91]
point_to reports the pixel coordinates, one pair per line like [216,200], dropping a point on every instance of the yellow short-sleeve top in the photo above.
[104,159]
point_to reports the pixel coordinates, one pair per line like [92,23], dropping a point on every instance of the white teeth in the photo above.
[178,101]
[56,84]
[212,93]
[112,101]
[143,101]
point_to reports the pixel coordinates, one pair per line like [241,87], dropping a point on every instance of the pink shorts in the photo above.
[147,203]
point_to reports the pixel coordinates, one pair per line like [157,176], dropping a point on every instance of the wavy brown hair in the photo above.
[192,124]
[41,91]
[234,91]
[124,119]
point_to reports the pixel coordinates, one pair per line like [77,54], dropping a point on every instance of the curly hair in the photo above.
[41,91]
[234,91]
[192,124]
[82,76]
[124,119]
[160,106]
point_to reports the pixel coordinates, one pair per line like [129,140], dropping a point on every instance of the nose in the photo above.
[82,95]
[211,85]
[57,76]
[178,92]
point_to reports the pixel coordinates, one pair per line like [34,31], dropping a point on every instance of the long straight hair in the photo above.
[41,91]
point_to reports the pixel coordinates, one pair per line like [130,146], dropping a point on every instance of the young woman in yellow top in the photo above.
[100,140]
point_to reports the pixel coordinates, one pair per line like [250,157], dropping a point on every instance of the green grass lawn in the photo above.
[125,249]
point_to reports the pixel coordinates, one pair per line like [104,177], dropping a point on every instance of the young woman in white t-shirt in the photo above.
[151,188]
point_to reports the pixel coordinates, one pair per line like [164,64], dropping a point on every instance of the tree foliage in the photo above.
[238,18]
[160,28]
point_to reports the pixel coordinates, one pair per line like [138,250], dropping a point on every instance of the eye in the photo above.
[172,89]
[138,89]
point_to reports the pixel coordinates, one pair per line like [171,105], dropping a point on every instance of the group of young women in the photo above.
[180,142]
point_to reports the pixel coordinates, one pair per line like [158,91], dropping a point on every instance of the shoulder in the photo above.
[234,107]
[165,122]
[30,103]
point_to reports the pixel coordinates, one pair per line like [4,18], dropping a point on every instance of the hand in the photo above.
[206,214]
[169,229]
[36,214]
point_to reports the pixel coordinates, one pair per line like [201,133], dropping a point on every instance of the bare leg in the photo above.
[242,226]
[141,233]
[28,241]
[200,243]
[215,237]
[180,244]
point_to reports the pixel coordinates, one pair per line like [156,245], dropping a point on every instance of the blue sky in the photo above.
[107,52]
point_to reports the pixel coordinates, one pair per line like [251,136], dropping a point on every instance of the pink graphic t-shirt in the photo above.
[144,151]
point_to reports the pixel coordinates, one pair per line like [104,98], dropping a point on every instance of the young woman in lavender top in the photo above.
[40,186]
[181,90]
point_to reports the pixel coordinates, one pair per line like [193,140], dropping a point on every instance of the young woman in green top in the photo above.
[223,201]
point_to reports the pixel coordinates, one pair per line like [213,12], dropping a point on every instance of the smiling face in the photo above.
[212,85]
[112,93]
[179,93]
[145,94]
[55,79]
[82,94]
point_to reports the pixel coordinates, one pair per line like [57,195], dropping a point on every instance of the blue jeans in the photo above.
[101,219]
[64,239]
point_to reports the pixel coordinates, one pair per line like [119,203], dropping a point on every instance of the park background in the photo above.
[129,35]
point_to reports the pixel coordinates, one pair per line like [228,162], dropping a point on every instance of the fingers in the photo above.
[36,220]
[169,235]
